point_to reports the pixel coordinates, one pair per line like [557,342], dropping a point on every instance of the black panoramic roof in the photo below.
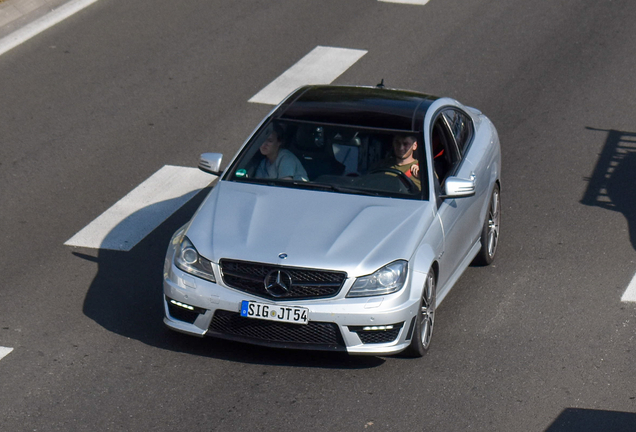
[357,106]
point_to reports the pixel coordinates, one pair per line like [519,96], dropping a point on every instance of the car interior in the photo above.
[337,155]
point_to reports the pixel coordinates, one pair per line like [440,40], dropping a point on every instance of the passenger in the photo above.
[279,163]
[403,159]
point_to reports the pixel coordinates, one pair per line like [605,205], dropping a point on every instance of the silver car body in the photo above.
[350,233]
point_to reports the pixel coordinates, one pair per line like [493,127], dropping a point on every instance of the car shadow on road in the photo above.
[125,297]
[612,183]
[588,420]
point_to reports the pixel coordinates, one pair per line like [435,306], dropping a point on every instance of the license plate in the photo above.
[290,314]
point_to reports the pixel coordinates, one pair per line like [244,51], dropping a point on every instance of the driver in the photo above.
[402,158]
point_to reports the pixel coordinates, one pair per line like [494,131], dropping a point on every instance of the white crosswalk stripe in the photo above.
[415,2]
[36,27]
[321,66]
[630,292]
[136,215]
[4,351]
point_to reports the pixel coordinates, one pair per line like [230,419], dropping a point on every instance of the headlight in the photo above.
[387,280]
[188,259]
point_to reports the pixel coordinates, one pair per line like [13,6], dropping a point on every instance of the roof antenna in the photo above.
[381,85]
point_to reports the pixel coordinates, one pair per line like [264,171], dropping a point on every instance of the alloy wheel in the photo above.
[493,224]
[429,299]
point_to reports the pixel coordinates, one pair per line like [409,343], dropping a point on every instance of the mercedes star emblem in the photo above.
[278,283]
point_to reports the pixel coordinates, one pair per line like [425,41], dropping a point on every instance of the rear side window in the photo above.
[461,127]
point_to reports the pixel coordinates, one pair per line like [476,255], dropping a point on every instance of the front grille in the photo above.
[305,283]
[316,334]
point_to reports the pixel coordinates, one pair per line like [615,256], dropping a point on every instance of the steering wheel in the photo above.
[400,175]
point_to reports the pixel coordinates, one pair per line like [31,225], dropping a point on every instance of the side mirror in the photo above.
[457,188]
[211,163]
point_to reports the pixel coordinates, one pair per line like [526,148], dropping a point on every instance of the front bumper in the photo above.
[365,325]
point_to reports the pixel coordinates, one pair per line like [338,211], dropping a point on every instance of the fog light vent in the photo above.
[183,311]
[378,333]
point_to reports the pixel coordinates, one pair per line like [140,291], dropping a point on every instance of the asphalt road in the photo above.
[92,107]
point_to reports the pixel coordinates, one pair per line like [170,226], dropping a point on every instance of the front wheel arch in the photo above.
[425,318]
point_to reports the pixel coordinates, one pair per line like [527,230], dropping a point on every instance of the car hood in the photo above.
[315,229]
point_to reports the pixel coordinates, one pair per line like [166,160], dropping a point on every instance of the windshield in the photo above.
[334,158]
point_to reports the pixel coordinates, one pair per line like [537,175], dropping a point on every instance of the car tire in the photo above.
[490,231]
[425,320]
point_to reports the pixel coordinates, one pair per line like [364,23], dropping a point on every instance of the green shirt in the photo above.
[391,162]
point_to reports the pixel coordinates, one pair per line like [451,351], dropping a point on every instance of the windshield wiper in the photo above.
[333,188]
[309,185]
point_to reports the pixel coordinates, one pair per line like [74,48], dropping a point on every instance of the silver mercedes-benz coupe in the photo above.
[341,224]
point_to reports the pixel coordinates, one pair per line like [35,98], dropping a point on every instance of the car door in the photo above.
[448,161]
[474,151]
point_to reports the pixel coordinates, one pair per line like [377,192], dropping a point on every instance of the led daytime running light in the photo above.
[182,305]
[375,328]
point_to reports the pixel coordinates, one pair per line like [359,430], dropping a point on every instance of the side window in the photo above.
[445,155]
[461,127]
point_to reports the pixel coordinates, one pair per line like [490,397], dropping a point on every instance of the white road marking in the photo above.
[630,292]
[415,2]
[36,27]
[4,351]
[321,66]
[136,215]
